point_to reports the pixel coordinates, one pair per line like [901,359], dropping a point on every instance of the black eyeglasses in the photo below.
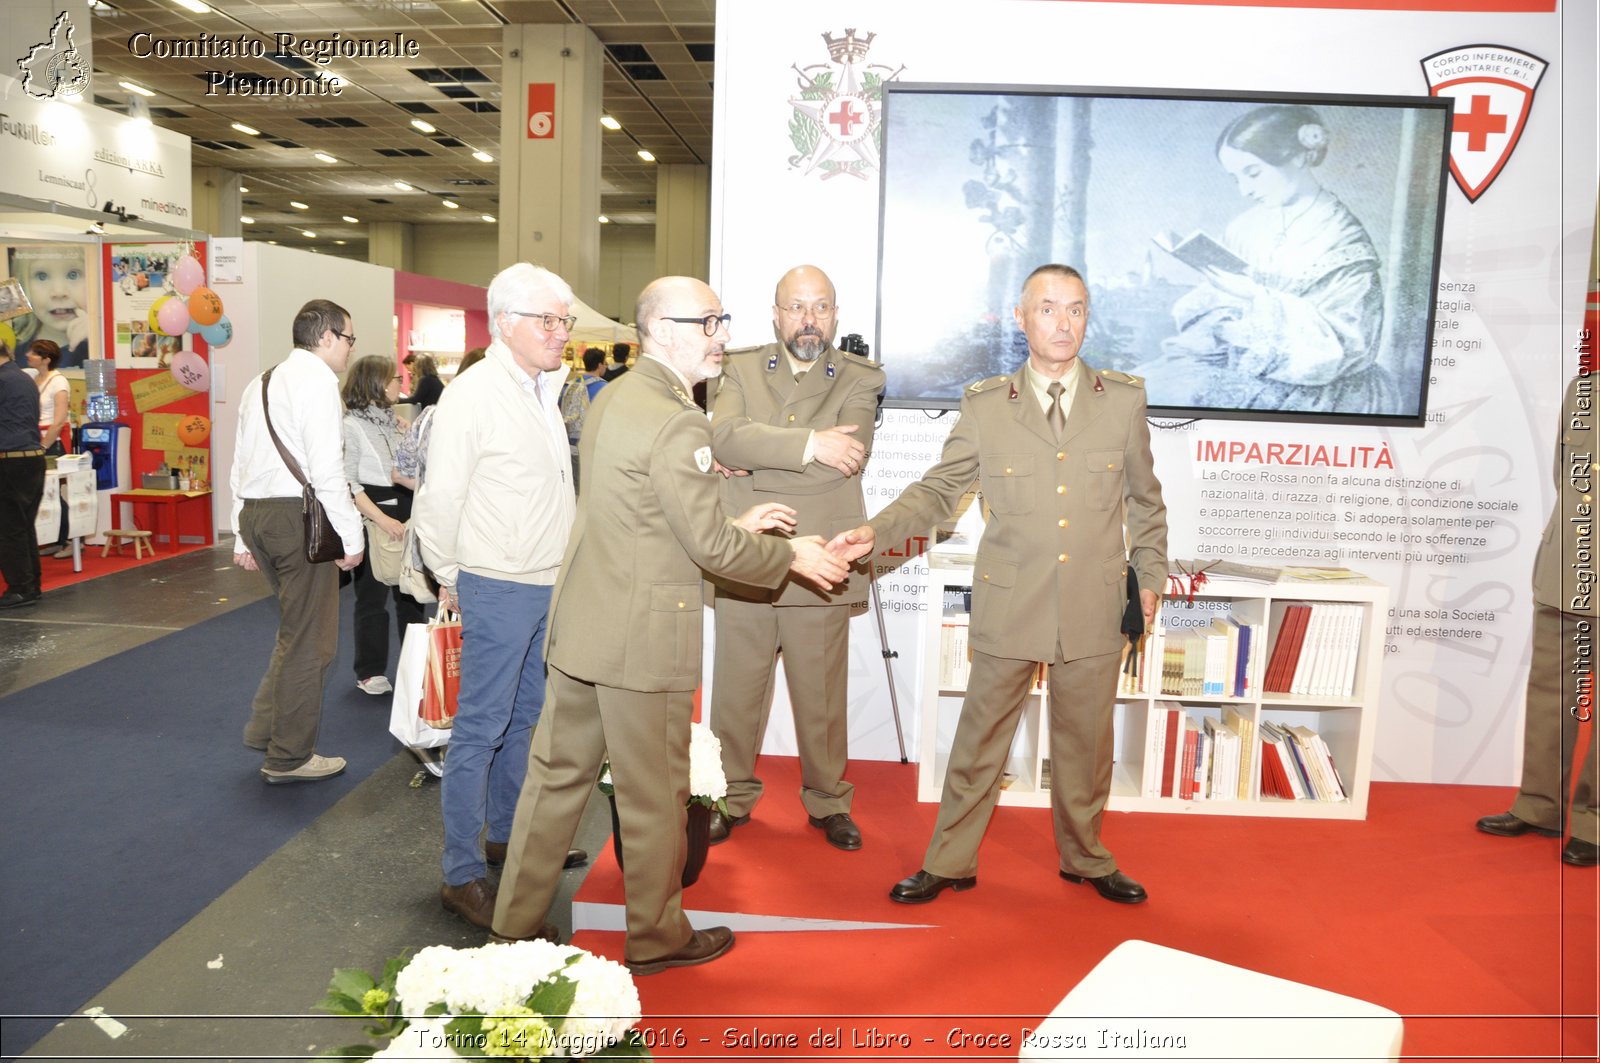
[344,336]
[548,321]
[710,322]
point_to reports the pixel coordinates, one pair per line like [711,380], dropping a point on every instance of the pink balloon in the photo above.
[173,317]
[188,274]
[190,370]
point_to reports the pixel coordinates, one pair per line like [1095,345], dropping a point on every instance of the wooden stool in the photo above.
[141,541]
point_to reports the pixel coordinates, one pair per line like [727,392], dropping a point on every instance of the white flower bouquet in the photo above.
[524,1000]
[707,784]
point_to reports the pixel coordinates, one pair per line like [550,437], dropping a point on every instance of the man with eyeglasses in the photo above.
[269,534]
[493,518]
[792,422]
[649,531]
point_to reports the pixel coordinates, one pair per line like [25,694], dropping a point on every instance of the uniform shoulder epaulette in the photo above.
[987,384]
[859,359]
[1122,378]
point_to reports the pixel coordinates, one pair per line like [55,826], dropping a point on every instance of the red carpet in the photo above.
[58,572]
[1481,943]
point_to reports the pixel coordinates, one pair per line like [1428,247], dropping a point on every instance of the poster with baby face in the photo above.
[58,280]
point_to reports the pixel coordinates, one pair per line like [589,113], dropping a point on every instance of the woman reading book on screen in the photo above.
[1291,310]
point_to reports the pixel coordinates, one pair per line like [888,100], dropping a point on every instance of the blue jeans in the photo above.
[502,694]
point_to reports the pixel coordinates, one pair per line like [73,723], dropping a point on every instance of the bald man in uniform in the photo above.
[792,422]
[648,530]
[1063,455]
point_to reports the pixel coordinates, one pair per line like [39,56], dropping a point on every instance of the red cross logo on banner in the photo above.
[1491,89]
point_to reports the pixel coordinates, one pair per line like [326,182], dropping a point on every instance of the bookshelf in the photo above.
[1339,705]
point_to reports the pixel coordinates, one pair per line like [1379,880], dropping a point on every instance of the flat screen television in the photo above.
[1266,256]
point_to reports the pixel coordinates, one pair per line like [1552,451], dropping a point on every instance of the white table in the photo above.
[1146,1001]
[74,489]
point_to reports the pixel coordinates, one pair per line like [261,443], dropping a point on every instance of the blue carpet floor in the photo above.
[131,803]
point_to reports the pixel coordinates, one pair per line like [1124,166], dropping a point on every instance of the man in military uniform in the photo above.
[1560,691]
[792,422]
[648,530]
[1063,454]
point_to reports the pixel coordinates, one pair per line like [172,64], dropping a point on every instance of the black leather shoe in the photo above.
[1113,887]
[1580,853]
[12,599]
[473,902]
[1508,826]
[721,826]
[840,829]
[705,946]
[924,887]
[494,854]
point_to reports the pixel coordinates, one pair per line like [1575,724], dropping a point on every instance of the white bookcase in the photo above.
[1346,724]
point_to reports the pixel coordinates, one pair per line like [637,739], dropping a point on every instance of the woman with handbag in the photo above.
[372,436]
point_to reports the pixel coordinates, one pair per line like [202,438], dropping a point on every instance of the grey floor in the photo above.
[356,887]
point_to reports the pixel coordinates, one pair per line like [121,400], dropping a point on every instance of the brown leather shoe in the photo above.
[473,902]
[840,830]
[548,932]
[494,854]
[705,946]
[721,826]
[1113,887]
[1580,853]
[924,887]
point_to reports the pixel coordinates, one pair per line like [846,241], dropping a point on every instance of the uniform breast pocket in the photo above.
[1104,468]
[674,628]
[1007,483]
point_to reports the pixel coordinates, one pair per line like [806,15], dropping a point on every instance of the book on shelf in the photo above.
[1171,746]
[1319,573]
[1245,728]
[1199,251]
[1329,786]
[1316,650]
[955,660]
[1191,740]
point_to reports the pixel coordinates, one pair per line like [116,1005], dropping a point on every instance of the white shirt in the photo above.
[309,418]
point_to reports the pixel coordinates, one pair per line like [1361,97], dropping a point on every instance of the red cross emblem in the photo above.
[1491,91]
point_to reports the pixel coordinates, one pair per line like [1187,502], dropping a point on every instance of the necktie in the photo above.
[799,376]
[1056,417]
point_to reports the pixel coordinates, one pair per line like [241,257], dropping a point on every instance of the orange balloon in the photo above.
[194,430]
[205,306]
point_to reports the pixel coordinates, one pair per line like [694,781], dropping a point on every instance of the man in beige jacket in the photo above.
[792,422]
[649,529]
[1063,452]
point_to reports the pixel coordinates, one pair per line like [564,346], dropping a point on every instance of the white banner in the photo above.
[69,151]
[1447,515]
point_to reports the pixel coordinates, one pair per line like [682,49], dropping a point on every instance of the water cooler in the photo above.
[107,443]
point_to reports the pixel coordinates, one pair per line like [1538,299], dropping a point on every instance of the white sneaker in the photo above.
[318,767]
[374,685]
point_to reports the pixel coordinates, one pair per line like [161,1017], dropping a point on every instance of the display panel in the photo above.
[1260,256]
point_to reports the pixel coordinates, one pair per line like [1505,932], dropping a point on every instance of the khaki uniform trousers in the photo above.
[646,736]
[1082,695]
[815,641]
[1550,731]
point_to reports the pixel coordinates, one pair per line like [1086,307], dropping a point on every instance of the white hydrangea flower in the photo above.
[604,1009]
[706,780]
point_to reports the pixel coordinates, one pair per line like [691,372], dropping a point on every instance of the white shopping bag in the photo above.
[404,721]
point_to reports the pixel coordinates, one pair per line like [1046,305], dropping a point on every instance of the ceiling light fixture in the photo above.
[245,219]
[324,156]
[308,234]
[243,190]
[402,186]
[424,127]
[489,217]
[483,156]
[610,122]
[249,131]
[646,156]
[297,205]
[352,221]
[192,5]
[138,89]
[341,243]
[452,204]
[604,220]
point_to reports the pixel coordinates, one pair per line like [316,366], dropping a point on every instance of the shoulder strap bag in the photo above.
[322,539]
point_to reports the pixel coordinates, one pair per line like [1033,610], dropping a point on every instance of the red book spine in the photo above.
[1173,753]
